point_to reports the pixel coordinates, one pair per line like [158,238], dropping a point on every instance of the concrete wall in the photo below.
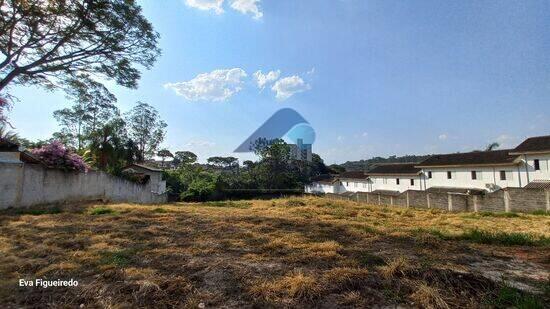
[505,200]
[24,185]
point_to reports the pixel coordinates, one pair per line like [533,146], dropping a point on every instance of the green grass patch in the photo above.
[119,258]
[508,297]
[231,204]
[38,212]
[502,238]
[102,211]
[540,212]
[160,210]
[490,238]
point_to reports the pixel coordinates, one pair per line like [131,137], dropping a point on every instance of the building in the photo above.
[397,177]
[301,151]
[527,165]
[486,170]
[148,174]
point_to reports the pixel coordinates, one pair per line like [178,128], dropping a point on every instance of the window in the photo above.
[537,165]
[474,175]
[355,185]
[449,175]
[412,182]
[364,184]
[347,183]
[502,175]
[397,181]
[429,174]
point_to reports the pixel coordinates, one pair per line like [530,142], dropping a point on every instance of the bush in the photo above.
[56,155]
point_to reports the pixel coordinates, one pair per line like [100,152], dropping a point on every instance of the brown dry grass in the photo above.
[299,252]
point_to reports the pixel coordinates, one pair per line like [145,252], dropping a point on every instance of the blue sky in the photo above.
[372,77]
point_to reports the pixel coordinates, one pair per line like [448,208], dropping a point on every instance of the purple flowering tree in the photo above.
[56,155]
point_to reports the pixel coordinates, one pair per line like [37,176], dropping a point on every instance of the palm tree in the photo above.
[492,146]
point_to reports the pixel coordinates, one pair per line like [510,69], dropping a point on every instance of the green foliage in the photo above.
[50,43]
[184,158]
[101,211]
[160,210]
[146,129]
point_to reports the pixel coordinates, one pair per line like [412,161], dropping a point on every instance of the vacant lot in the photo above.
[299,252]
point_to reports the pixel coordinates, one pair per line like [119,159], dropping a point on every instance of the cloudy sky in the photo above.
[372,77]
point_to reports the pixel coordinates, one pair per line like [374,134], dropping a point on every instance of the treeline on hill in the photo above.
[364,165]
[275,173]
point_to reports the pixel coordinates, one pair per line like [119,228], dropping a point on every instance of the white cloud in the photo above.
[288,86]
[340,138]
[264,79]
[218,85]
[248,7]
[442,137]
[199,143]
[365,134]
[206,5]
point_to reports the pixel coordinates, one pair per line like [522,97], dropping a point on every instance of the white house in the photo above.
[534,154]
[526,165]
[485,170]
[397,177]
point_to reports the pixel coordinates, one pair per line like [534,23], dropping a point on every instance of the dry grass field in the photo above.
[298,252]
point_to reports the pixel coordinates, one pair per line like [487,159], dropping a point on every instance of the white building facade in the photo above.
[528,163]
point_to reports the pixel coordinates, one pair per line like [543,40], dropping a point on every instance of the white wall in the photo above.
[461,177]
[542,174]
[390,183]
[24,185]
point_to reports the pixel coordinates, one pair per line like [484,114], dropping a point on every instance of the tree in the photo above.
[184,158]
[164,153]
[8,135]
[146,129]
[50,43]
[223,162]
[492,146]
[94,106]
[56,155]
[108,146]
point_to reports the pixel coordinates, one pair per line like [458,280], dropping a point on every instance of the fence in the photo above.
[24,185]
[504,200]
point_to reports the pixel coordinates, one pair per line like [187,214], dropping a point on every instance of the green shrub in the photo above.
[160,210]
[101,211]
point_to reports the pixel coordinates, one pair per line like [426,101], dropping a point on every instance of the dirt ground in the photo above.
[300,252]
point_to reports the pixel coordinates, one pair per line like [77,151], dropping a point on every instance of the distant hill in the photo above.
[363,165]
